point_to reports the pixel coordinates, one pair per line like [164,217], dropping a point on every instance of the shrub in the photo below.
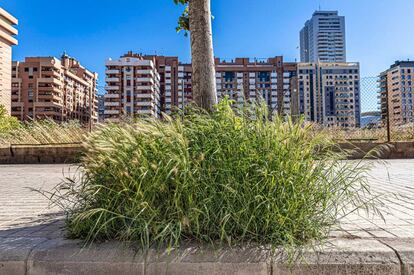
[7,123]
[221,177]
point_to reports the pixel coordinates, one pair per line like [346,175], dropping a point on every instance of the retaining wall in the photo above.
[71,153]
[42,154]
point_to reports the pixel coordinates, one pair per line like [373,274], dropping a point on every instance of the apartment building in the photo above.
[322,39]
[397,93]
[7,40]
[59,89]
[244,79]
[132,86]
[101,108]
[168,68]
[329,93]
[169,87]
[240,79]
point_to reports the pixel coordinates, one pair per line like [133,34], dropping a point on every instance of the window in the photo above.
[26,69]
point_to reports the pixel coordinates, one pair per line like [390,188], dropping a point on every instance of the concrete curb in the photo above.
[35,256]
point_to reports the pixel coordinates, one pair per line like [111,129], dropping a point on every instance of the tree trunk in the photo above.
[204,73]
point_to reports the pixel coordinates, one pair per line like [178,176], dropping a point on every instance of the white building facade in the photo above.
[322,39]
[329,93]
[132,88]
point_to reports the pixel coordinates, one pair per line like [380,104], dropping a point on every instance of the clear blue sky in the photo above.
[378,31]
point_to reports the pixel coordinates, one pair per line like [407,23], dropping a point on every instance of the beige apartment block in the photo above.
[397,93]
[59,89]
[7,40]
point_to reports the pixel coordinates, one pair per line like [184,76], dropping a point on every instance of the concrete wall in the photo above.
[71,153]
[392,150]
[45,154]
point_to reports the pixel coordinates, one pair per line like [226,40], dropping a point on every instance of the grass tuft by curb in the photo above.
[233,177]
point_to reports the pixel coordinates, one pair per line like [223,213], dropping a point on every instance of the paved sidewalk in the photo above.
[394,181]
[23,210]
[32,231]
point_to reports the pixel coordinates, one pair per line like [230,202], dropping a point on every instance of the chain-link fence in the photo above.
[385,113]
[372,127]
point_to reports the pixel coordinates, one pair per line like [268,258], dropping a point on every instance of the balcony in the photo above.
[145,72]
[112,79]
[44,96]
[112,88]
[111,95]
[49,89]
[145,112]
[111,104]
[17,104]
[112,72]
[147,103]
[145,79]
[49,80]
[145,88]
[144,96]
[50,73]
[111,112]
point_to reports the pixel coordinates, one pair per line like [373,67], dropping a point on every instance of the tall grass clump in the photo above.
[211,177]
[45,131]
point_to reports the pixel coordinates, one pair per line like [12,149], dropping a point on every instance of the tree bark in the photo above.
[202,54]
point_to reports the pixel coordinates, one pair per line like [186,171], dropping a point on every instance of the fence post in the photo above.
[388,117]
